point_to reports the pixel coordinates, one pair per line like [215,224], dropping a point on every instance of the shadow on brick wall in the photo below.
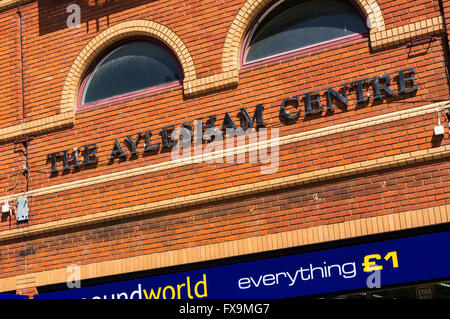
[53,14]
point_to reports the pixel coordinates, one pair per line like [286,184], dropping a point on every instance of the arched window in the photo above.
[128,68]
[292,25]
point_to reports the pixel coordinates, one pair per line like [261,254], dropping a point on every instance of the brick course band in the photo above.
[383,39]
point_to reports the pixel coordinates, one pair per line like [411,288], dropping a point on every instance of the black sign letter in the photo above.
[247,121]
[313,100]
[117,150]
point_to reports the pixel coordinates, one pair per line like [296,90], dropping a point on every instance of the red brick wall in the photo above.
[10,94]
[49,48]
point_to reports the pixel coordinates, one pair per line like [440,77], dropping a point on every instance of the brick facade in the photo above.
[365,169]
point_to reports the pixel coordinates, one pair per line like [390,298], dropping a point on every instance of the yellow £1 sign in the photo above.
[369,263]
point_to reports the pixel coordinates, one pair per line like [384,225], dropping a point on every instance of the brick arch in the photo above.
[113,34]
[250,10]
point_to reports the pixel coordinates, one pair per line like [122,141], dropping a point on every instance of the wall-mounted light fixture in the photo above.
[20,212]
[439,129]
[7,208]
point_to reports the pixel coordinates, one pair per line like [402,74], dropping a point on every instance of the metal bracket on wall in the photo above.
[426,40]
[22,209]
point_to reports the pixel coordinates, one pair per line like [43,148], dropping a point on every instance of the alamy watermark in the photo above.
[232,146]
[73,279]
[74,18]
[374,280]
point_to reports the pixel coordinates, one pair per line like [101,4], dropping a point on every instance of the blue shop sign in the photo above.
[364,266]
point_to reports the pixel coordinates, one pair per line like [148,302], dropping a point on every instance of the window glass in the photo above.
[299,24]
[130,67]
